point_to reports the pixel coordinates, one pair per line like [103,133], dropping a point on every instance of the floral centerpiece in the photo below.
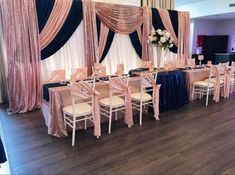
[161,38]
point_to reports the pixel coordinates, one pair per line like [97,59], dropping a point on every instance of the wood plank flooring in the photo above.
[192,140]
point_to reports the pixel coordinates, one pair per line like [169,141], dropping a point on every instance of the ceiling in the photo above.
[185,2]
[220,16]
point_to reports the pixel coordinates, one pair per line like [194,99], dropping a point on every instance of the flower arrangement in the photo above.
[161,38]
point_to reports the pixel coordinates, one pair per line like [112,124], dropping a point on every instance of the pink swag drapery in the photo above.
[56,20]
[119,18]
[20,22]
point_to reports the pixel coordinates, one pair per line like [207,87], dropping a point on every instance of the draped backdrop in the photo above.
[76,33]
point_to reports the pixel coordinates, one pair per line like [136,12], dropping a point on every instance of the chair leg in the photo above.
[116,115]
[73,135]
[85,124]
[65,125]
[110,119]
[193,93]
[141,113]
[207,97]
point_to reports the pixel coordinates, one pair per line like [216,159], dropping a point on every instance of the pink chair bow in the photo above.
[118,84]
[79,74]
[215,72]
[150,81]
[89,91]
[227,78]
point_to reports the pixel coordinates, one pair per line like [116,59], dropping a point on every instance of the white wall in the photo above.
[214,27]
[227,27]
[206,8]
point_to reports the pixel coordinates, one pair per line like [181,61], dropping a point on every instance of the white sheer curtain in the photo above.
[71,55]
[3,61]
[121,51]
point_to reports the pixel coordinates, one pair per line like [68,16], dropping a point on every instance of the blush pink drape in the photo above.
[147,27]
[89,91]
[149,81]
[23,76]
[125,20]
[118,84]
[183,35]
[104,31]
[227,81]
[215,71]
[168,25]
[90,35]
[56,20]
[120,18]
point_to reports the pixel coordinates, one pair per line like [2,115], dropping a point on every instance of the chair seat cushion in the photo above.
[212,80]
[137,96]
[80,109]
[203,84]
[116,101]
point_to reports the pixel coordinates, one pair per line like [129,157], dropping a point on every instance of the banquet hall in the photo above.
[117,87]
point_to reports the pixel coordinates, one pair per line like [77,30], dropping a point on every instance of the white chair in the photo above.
[232,80]
[117,100]
[212,84]
[142,98]
[82,106]
[99,70]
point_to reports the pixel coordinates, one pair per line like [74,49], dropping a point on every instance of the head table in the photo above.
[174,92]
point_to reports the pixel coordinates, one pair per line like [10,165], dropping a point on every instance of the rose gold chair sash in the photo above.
[79,74]
[215,72]
[88,91]
[227,78]
[150,81]
[119,85]
[146,64]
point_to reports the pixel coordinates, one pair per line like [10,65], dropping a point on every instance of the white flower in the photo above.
[167,34]
[170,41]
[163,39]
[159,30]
[171,45]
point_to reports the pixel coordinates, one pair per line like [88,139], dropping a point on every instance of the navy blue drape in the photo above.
[158,24]
[44,8]
[72,22]
[108,41]
[136,43]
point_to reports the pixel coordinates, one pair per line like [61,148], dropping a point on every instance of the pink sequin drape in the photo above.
[20,22]
[90,35]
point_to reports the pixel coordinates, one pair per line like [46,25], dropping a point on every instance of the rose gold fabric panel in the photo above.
[104,31]
[55,22]
[183,35]
[192,76]
[167,24]
[147,27]
[90,35]
[120,18]
[20,22]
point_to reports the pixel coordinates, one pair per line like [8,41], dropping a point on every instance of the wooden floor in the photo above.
[192,140]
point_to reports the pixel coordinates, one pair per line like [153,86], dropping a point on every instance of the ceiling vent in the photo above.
[232,5]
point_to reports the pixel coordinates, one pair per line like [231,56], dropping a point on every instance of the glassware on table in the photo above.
[200,58]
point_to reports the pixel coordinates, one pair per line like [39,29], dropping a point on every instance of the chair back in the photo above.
[148,80]
[146,64]
[120,69]
[99,69]
[191,62]
[215,71]
[79,74]
[57,75]
[180,63]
